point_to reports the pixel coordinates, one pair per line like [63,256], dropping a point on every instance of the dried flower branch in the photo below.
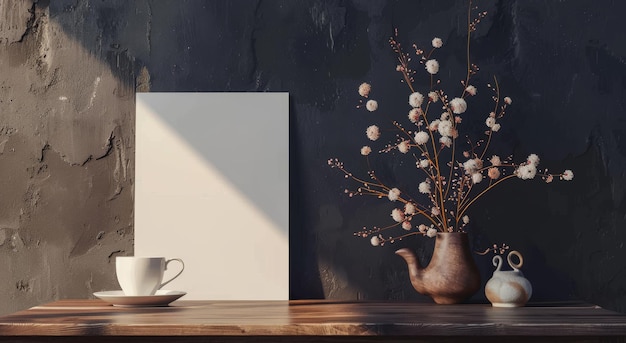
[449,181]
[495,249]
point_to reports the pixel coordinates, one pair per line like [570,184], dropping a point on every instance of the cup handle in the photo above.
[175,276]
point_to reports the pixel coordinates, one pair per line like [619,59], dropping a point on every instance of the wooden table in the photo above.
[310,321]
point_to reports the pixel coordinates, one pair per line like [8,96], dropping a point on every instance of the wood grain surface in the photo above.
[305,319]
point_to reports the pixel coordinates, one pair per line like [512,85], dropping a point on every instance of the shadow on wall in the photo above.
[191,46]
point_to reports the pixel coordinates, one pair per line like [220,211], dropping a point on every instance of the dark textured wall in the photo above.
[68,72]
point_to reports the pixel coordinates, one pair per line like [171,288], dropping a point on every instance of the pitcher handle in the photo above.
[515,266]
[497,262]
[175,276]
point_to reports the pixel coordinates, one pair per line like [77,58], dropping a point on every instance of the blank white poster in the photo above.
[212,188]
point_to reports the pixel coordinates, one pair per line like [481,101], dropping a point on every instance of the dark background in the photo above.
[562,63]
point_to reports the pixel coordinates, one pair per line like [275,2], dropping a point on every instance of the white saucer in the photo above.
[161,298]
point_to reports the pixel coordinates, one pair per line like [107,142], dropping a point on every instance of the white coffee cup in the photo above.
[143,276]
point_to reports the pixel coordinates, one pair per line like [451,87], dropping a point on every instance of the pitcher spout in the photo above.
[451,275]
[415,269]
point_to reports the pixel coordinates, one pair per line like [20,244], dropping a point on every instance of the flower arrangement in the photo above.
[451,175]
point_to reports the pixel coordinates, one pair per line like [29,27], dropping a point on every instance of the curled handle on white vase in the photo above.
[497,262]
[175,276]
[515,266]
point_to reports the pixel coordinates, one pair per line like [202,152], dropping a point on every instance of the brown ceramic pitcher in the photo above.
[451,276]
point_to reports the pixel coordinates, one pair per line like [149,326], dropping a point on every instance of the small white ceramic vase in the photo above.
[508,288]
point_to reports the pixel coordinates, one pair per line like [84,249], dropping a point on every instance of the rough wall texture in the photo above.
[66,142]
[69,70]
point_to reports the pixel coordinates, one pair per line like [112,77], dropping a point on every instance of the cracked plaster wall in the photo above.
[65,150]
[69,70]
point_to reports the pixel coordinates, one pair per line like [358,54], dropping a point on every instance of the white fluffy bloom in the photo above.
[495,160]
[409,208]
[373,132]
[375,241]
[423,228]
[364,89]
[366,150]
[477,177]
[404,147]
[446,141]
[432,66]
[424,187]
[371,105]
[431,233]
[533,159]
[458,105]
[568,175]
[507,100]
[394,194]
[433,96]
[421,137]
[444,116]
[490,121]
[424,163]
[465,219]
[495,127]
[406,225]
[471,90]
[437,42]
[434,125]
[445,128]
[435,211]
[470,166]
[416,99]
[414,115]
[526,171]
[397,215]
